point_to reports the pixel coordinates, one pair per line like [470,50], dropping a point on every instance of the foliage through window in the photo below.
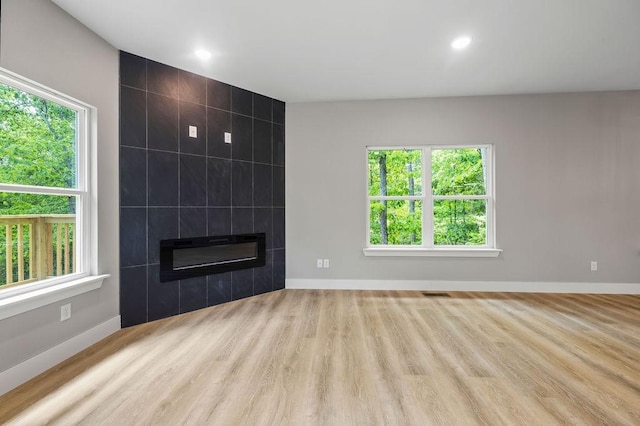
[43,193]
[430,196]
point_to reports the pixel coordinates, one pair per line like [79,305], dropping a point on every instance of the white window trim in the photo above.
[22,298]
[428,249]
[14,303]
[395,251]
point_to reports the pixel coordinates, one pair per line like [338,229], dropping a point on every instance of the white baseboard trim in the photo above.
[488,286]
[17,375]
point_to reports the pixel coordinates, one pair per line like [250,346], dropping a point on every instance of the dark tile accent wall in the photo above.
[176,186]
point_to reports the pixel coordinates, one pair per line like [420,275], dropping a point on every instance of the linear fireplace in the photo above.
[192,257]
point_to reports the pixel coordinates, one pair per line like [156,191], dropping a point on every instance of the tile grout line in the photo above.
[253,177]
[272,203]
[179,182]
[231,182]
[146,138]
[206,182]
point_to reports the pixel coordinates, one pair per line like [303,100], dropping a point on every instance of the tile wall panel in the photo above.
[176,186]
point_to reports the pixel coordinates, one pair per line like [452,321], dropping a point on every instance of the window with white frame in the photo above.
[44,185]
[430,197]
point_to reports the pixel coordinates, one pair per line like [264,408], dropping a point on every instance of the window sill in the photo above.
[430,252]
[14,304]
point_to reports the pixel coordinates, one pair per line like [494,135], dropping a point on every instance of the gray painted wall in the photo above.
[567,184]
[41,42]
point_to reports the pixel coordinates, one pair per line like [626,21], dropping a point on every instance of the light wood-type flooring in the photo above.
[307,357]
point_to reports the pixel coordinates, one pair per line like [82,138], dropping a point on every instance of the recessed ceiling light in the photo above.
[461,42]
[203,54]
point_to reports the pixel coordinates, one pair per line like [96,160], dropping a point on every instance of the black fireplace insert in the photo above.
[193,257]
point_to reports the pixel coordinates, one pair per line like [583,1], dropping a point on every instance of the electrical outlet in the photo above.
[65,312]
[325,263]
[193,132]
[227,137]
[594,265]
[319,263]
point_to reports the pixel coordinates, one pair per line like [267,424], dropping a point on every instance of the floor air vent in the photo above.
[430,294]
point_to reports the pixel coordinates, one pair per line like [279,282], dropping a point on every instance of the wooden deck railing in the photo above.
[37,247]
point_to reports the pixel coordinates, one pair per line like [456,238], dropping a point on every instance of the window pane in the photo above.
[396,172]
[459,171]
[37,237]
[395,222]
[37,140]
[459,222]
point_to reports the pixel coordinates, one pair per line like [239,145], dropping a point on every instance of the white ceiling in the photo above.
[297,50]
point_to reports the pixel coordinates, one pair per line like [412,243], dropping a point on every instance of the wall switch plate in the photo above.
[325,263]
[319,263]
[193,132]
[594,265]
[227,137]
[65,312]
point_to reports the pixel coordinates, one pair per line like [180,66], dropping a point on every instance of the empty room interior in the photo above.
[330,213]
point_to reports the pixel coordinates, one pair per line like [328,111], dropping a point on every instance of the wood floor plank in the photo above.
[312,357]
